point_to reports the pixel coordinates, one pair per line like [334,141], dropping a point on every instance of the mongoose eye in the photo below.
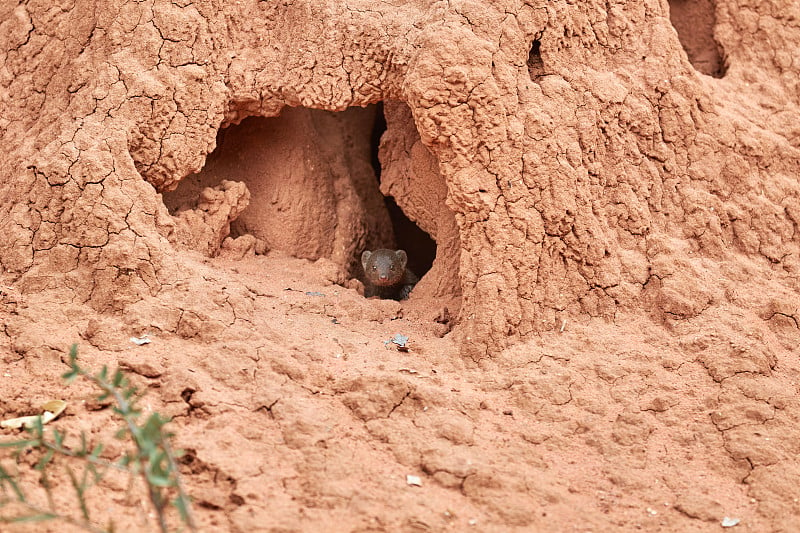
[374,268]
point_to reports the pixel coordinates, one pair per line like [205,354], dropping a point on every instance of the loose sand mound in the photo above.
[601,199]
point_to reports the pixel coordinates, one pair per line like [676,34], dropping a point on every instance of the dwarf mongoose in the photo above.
[386,275]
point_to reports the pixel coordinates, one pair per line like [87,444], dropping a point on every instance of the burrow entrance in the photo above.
[535,62]
[694,20]
[408,236]
[314,180]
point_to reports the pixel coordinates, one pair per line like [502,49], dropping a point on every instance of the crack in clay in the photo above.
[284,57]
[394,407]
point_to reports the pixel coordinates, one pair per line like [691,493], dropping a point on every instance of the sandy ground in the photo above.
[297,414]
[620,236]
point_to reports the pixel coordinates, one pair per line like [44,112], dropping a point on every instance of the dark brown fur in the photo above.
[386,275]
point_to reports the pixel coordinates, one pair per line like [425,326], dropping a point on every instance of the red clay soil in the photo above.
[298,416]
[602,200]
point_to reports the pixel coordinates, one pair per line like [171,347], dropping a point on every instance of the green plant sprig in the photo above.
[153,457]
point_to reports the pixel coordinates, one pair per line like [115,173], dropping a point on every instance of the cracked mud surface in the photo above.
[612,188]
[296,422]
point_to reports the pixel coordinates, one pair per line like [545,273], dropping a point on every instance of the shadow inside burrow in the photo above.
[535,61]
[408,236]
[694,21]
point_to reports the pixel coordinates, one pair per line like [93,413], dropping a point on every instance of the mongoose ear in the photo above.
[402,257]
[365,258]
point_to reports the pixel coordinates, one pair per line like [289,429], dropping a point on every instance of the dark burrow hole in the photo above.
[535,63]
[694,20]
[408,236]
[246,151]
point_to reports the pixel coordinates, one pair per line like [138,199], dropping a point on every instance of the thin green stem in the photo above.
[153,458]
[53,514]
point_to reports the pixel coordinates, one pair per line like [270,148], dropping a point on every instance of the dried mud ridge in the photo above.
[602,201]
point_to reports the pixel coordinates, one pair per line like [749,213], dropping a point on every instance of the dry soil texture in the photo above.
[601,198]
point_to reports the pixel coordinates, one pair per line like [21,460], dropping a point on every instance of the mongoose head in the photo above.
[384,267]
